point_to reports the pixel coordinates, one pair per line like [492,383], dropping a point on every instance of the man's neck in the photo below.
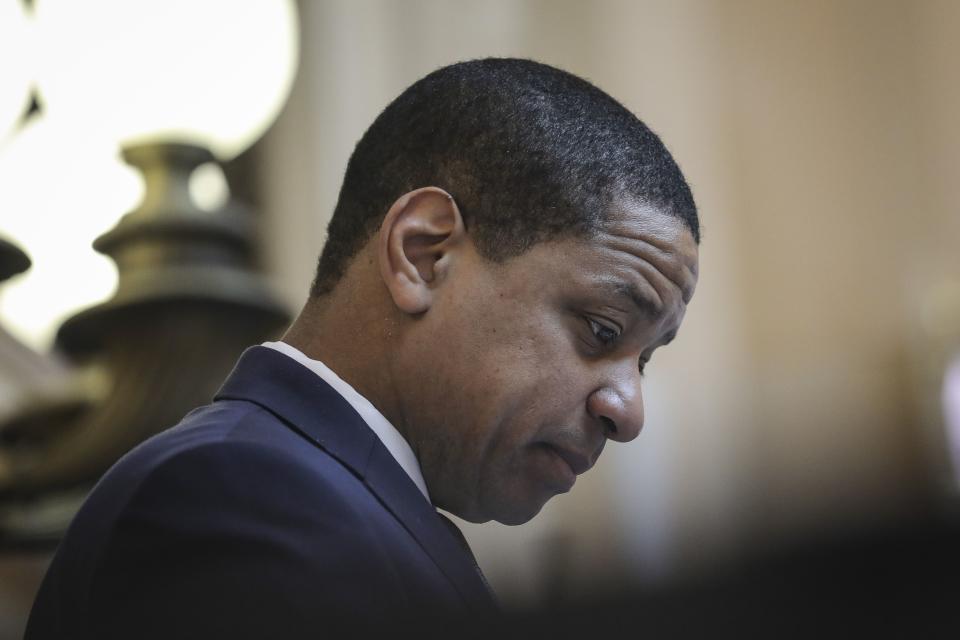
[348,340]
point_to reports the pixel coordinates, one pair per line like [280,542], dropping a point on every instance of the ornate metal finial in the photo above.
[189,298]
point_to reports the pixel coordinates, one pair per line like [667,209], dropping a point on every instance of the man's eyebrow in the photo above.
[632,293]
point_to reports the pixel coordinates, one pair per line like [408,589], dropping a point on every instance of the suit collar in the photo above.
[395,443]
[304,402]
[309,406]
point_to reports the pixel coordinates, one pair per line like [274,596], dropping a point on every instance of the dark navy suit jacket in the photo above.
[273,512]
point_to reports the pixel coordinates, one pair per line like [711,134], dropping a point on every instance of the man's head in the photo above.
[509,247]
[529,152]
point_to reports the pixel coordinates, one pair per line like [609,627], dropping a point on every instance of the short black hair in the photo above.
[528,151]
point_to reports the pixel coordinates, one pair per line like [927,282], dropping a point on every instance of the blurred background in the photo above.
[815,387]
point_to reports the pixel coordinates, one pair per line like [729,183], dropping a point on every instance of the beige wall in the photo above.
[821,141]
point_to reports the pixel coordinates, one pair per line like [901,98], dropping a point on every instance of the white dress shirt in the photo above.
[388,434]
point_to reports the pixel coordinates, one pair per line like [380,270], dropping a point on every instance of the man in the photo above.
[509,248]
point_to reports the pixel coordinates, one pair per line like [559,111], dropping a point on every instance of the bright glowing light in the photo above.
[213,72]
[951,411]
[15,62]
[208,187]
[60,191]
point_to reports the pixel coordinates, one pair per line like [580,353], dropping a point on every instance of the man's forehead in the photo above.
[629,291]
[642,233]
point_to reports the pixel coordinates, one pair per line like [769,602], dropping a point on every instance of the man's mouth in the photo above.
[576,461]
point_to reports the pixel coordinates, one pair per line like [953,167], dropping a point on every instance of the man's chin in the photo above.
[519,513]
[513,519]
[509,516]
[513,510]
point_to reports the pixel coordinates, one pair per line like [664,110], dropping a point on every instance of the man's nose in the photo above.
[619,407]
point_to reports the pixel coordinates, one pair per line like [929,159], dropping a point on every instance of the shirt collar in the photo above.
[388,434]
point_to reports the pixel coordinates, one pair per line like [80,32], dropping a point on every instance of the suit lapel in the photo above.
[309,406]
[422,521]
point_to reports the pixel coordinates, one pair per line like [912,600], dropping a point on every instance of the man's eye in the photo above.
[605,335]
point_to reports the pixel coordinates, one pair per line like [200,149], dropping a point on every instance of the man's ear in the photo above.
[414,243]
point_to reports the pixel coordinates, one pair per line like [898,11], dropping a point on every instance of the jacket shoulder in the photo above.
[235,522]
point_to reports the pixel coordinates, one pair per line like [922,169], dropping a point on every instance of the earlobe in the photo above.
[416,239]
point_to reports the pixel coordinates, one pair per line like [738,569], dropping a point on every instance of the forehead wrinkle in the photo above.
[671,265]
[673,248]
[666,238]
[647,306]
[655,277]
[650,221]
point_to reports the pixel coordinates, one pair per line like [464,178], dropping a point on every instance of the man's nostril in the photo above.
[609,425]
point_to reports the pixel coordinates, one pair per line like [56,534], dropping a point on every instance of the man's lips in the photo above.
[578,462]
